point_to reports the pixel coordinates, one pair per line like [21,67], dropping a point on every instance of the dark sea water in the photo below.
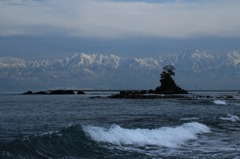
[76,126]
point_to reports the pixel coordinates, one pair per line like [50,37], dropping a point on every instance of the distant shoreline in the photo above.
[142,94]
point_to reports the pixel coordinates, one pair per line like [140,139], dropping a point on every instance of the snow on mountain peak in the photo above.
[197,55]
[83,59]
[147,62]
[111,71]
[87,59]
[12,62]
[234,58]
[111,60]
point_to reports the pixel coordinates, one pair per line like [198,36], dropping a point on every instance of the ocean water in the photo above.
[76,126]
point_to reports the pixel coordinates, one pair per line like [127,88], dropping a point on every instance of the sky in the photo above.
[46,29]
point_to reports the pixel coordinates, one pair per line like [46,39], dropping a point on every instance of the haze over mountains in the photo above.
[194,70]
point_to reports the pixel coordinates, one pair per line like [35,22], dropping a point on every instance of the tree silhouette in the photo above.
[167,71]
[168,85]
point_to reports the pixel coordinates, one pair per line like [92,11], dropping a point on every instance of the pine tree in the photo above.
[168,85]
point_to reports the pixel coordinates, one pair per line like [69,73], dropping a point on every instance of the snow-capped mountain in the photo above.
[194,70]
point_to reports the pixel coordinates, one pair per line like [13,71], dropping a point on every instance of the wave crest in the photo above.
[220,102]
[166,136]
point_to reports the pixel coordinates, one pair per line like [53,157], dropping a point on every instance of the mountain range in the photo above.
[194,70]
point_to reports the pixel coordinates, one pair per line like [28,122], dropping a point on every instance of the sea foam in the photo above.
[230,117]
[220,102]
[170,137]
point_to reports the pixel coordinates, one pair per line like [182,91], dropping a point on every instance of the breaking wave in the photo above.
[220,102]
[170,137]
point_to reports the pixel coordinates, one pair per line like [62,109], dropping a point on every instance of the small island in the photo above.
[167,89]
[168,85]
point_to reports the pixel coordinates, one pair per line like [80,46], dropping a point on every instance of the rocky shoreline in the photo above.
[54,92]
[134,94]
[144,94]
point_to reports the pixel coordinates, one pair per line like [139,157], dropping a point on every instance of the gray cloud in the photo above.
[119,19]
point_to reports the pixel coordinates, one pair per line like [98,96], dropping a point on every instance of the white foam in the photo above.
[230,117]
[166,136]
[220,102]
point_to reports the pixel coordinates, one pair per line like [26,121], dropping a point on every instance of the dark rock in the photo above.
[28,92]
[143,92]
[41,92]
[123,92]
[151,91]
[61,92]
[170,90]
[225,97]
[229,97]
[147,96]
[80,92]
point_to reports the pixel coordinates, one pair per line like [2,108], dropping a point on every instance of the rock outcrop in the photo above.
[54,92]
[168,85]
[59,92]
[80,92]
[144,94]
[167,89]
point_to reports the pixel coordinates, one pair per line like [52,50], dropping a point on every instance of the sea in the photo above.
[82,127]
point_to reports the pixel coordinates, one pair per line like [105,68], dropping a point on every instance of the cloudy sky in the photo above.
[40,29]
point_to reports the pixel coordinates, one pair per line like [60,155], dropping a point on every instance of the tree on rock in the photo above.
[168,85]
